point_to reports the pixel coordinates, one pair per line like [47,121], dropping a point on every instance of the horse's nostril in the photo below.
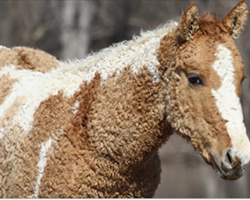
[229,158]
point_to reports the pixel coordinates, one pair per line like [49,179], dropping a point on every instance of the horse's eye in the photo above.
[194,79]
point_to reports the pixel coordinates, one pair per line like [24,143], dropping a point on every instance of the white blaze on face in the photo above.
[229,104]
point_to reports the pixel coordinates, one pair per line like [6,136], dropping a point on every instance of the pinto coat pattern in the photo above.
[92,127]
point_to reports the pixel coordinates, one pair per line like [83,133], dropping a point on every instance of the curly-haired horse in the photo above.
[93,127]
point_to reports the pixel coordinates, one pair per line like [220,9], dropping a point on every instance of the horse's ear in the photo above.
[189,23]
[235,21]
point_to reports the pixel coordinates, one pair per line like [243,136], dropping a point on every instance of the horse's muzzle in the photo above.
[229,167]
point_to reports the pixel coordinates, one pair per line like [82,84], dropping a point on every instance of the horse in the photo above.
[93,127]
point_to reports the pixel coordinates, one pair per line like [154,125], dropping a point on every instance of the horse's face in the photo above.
[208,74]
[211,73]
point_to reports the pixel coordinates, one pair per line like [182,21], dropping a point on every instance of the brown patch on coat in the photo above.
[76,130]
[27,58]
[6,84]
[129,102]
[9,146]
[124,126]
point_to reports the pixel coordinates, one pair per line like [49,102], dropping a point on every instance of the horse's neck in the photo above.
[126,121]
[127,101]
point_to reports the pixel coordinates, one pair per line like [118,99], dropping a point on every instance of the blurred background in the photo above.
[71,29]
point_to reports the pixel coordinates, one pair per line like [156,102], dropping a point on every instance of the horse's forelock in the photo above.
[210,25]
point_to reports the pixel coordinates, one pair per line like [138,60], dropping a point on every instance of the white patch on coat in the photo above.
[74,109]
[37,86]
[229,104]
[42,164]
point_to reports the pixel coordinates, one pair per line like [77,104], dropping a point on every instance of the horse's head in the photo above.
[203,72]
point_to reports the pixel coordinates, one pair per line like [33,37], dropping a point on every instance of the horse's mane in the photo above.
[210,25]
